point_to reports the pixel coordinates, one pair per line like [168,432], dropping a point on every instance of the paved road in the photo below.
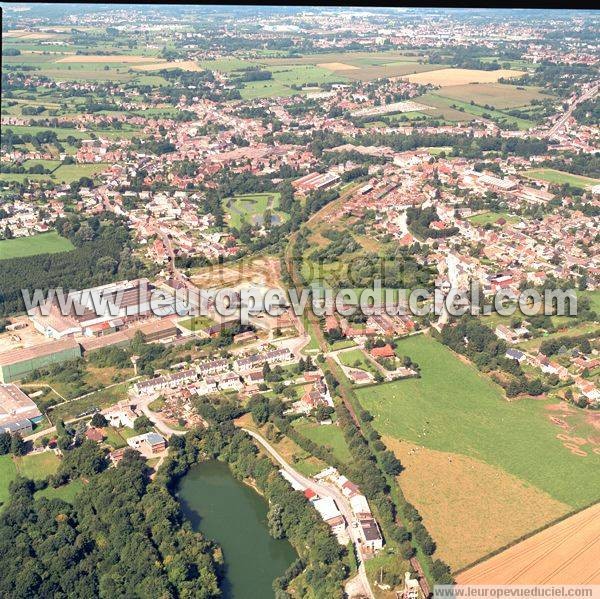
[587,95]
[142,403]
[323,490]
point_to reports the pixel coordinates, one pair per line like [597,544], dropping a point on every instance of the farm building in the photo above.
[16,364]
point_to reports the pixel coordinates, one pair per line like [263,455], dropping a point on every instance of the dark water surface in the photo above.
[235,516]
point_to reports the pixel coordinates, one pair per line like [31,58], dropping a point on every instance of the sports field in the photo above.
[553,176]
[566,553]
[456,409]
[43,243]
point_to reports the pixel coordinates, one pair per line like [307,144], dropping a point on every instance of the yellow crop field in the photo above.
[447,77]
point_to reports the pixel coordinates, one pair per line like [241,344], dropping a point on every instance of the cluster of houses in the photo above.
[363,525]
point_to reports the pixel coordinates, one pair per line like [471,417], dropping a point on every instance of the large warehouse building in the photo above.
[18,363]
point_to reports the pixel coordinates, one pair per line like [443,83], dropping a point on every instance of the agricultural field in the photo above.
[327,435]
[565,553]
[251,207]
[363,66]
[443,486]
[457,110]
[43,243]
[451,77]
[498,95]
[559,177]
[186,65]
[455,409]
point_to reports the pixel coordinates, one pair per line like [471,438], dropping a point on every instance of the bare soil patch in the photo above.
[337,66]
[186,65]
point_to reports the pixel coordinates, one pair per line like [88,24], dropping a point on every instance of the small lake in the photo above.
[235,516]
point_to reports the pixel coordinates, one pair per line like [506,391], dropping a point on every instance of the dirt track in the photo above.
[566,553]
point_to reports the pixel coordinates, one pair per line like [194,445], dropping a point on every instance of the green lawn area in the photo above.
[73,172]
[197,323]
[553,176]
[579,329]
[114,438]
[67,173]
[43,243]
[356,359]
[8,471]
[251,207]
[99,399]
[65,492]
[492,218]
[37,466]
[342,344]
[594,297]
[455,408]
[304,75]
[327,435]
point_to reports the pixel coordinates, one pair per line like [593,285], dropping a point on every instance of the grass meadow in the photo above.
[454,408]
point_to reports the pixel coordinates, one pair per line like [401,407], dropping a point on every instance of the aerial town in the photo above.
[156,440]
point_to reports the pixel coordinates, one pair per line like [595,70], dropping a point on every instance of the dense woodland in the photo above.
[124,536]
[102,254]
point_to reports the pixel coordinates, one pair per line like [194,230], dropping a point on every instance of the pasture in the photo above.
[442,486]
[551,175]
[329,435]
[454,408]
[43,243]
[451,77]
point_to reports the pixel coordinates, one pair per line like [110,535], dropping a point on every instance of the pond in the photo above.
[235,516]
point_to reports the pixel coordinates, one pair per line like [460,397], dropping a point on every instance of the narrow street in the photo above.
[323,490]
